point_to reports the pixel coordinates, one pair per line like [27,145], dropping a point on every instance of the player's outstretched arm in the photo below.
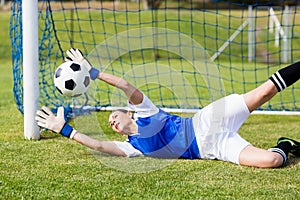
[46,119]
[102,146]
[134,95]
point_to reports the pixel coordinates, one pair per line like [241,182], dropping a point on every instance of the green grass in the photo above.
[57,168]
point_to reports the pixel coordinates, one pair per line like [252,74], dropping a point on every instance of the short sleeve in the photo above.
[128,149]
[144,109]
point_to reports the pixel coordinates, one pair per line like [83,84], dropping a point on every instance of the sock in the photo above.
[286,76]
[283,148]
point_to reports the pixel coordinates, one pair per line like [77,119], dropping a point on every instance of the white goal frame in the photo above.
[30,68]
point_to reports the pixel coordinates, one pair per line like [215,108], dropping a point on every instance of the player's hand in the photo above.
[77,56]
[46,119]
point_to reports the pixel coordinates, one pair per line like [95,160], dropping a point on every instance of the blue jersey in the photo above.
[163,135]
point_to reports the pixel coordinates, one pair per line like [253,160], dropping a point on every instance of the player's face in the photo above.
[121,122]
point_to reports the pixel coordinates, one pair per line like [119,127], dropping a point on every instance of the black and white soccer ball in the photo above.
[71,79]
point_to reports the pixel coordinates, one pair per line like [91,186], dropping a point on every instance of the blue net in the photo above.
[182,54]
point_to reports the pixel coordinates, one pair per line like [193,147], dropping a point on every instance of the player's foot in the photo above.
[295,145]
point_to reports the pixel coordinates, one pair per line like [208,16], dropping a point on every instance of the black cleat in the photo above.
[295,145]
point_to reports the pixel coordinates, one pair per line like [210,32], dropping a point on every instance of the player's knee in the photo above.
[274,160]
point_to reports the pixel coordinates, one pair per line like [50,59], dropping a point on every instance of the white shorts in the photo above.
[216,127]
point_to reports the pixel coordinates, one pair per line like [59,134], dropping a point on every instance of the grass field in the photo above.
[57,168]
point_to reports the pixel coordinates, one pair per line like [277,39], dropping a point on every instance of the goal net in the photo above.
[182,54]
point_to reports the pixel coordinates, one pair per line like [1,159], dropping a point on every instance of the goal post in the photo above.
[30,67]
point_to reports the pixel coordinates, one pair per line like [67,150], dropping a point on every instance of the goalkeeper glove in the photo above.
[46,119]
[76,55]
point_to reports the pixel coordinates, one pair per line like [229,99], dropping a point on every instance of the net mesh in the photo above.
[182,54]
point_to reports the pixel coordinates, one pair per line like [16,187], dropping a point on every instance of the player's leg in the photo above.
[260,95]
[256,157]
[277,82]
[273,157]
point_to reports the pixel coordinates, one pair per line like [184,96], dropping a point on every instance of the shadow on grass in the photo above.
[293,161]
[49,135]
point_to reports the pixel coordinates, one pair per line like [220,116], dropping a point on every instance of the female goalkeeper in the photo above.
[212,133]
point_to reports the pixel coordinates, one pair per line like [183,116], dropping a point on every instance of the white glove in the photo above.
[46,119]
[76,55]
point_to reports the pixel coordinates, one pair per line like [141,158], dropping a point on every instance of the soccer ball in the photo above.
[71,79]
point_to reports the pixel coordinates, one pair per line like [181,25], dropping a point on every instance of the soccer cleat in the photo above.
[295,145]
